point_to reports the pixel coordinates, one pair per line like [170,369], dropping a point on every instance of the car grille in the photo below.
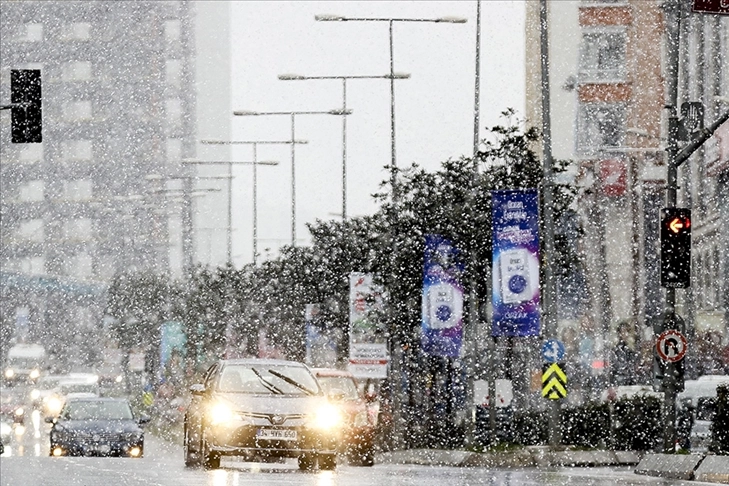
[274,418]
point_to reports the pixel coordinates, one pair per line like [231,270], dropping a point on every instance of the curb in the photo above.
[528,457]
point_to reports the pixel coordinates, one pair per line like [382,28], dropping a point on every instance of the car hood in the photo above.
[101,426]
[272,404]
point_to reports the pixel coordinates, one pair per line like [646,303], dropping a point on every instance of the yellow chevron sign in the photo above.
[554,382]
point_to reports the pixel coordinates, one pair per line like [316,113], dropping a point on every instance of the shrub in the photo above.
[531,427]
[636,423]
[587,425]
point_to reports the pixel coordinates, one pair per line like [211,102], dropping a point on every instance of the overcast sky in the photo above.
[434,108]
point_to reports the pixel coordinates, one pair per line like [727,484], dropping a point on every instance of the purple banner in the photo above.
[442,318]
[515,294]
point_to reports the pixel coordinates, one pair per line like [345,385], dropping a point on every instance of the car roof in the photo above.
[95,399]
[331,372]
[260,362]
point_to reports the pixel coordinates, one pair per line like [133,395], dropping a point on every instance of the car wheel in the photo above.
[192,459]
[327,462]
[210,459]
[307,462]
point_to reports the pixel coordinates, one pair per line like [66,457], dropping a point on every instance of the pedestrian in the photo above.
[623,362]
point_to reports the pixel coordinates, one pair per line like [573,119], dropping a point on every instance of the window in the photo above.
[77,190]
[79,266]
[77,111]
[31,152]
[173,72]
[600,126]
[30,32]
[79,229]
[31,191]
[31,230]
[602,55]
[172,30]
[174,111]
[77,71]
[76,31]
[77,150]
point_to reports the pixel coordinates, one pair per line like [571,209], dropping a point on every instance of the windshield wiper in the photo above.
[270,386]
[292,382]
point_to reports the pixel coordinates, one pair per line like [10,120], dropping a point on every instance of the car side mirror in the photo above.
[50,420]
[143,420]
[197,389]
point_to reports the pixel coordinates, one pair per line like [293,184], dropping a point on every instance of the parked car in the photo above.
[93,426]
[13,404]
[260,409]
[360,424]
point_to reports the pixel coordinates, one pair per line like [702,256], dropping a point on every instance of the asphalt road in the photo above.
[26,463]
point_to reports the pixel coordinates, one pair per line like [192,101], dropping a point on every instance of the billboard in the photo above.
[368,353]
[515,263]
[442,309]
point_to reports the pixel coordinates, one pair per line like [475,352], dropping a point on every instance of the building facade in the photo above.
[607,74]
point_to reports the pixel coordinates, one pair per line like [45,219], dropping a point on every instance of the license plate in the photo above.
[276,434]
[102,448]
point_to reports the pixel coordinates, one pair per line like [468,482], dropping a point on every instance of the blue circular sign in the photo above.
[517,284]
[443,313]
[553,351]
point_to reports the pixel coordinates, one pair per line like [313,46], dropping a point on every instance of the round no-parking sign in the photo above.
[671,346]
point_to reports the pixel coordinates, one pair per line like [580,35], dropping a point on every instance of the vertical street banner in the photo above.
[515,264]
[368,353]
[442,309]
[172,340]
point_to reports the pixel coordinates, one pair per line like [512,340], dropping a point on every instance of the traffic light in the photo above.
[26,113]
[675,248]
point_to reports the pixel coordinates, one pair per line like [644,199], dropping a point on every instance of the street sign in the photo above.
[552,351]
[554,382]
[720,7]
[671,346]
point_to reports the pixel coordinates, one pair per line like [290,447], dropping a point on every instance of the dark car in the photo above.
[93,426]
[361,420]
[261,409]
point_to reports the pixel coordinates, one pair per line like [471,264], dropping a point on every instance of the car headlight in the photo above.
[9,373]
[53,406]
[327,417]
[34,374]
[35,394]
[220,413]
[19,411]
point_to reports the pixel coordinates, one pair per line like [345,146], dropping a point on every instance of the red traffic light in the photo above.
[678,223]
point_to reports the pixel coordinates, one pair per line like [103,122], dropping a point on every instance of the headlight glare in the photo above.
[9,373]
[34,374]
[327,417]
[53,406]
[35,394]
[220,413]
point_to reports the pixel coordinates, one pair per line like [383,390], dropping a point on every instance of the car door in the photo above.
[196,409]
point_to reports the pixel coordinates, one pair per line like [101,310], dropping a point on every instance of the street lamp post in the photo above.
[230,164]
[293,115]
[397,399]
[255,144]
[391,21]
[296,77]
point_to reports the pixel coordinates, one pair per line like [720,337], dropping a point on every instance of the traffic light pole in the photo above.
[671,371]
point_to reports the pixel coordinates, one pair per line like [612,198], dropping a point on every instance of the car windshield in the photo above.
[79,388]
[339,384]
[97,410]
[265,379]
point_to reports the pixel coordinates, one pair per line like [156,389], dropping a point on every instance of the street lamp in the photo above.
[391,21]
[297,77]
[230,164]
[293,115]
[255,144]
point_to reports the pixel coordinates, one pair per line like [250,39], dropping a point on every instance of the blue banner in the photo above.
[515,263]
[442,313]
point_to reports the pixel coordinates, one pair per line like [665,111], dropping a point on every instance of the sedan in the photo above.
[259,410]
[97,427]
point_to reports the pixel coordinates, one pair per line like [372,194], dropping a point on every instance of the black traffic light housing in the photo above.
[26,113]
[675,248]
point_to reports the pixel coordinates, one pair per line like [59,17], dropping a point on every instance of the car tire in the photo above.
[365,458]
[191,459]
[210,459]
[327,462]
[307,462]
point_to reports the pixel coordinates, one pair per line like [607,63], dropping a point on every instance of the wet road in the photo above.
[26,463]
